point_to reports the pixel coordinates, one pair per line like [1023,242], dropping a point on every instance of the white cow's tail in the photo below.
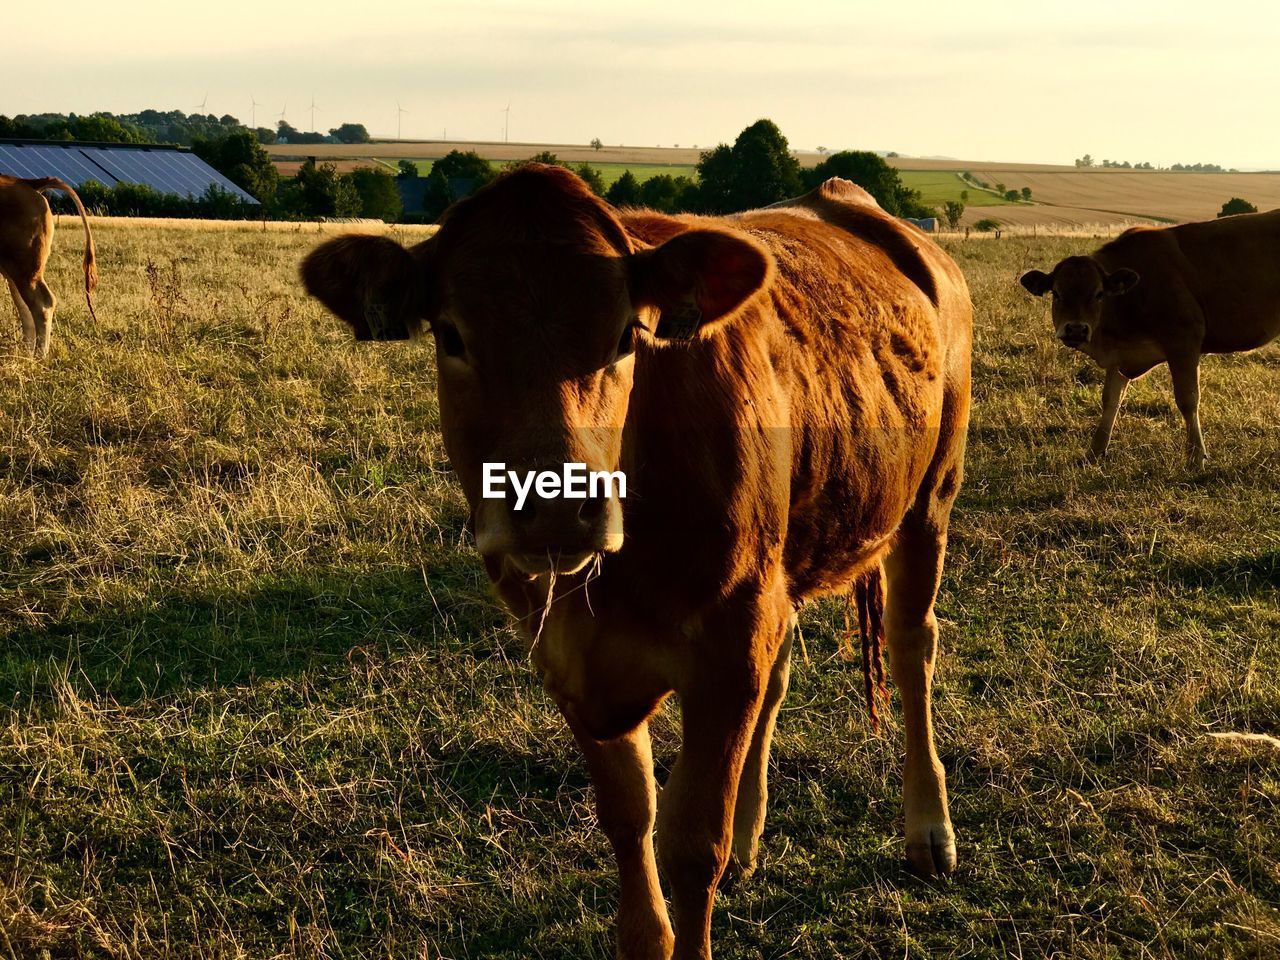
[90,259]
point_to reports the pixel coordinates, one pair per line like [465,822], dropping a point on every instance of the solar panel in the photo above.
[169,171]
[66,163]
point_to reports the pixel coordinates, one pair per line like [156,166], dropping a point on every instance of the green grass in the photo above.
[259,703]
[938,186]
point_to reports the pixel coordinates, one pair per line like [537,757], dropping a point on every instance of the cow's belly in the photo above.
[1251,334]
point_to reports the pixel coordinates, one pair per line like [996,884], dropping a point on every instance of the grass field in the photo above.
[257,701]
[937,187]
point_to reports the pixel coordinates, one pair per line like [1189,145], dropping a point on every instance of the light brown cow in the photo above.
[787,393]
[26,236]
[1168,295]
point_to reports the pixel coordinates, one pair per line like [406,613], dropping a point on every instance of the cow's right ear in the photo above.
[698,279]
[1037,282]
[374,284]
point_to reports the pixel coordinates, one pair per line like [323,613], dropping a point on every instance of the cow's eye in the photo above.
[627,342]
[449,340]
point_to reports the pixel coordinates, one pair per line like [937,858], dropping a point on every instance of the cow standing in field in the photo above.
[1167,295]
[26,236]
[787,393]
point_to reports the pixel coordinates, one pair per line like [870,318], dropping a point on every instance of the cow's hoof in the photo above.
[934,854]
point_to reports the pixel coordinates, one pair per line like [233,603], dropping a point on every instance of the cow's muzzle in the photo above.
[1074,334]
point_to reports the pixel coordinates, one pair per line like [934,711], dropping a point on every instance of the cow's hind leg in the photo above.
[1185,371]
[626,803]
[24,317]
[753,788]
[913,570]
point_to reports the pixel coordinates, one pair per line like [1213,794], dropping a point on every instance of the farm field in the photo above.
[257,701]
[1065,197]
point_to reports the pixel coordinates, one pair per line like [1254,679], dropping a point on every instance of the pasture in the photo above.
[257,702]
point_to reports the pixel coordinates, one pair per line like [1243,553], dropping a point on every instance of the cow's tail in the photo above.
[868,597]
[90,258]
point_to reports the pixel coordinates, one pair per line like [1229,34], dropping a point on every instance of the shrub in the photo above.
[986,225]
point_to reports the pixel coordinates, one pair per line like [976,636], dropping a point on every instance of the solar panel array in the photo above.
[169,171]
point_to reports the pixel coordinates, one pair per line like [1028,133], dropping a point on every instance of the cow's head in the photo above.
[1079,286]
[537,299]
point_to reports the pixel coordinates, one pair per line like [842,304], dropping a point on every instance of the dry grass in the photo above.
[258,703]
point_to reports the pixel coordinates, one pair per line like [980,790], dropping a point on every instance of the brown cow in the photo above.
[1168,295]
[787,392]
[26,236]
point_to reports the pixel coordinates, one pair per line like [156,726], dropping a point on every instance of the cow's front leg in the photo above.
[1112,396]
[1185,371]
[626,800]
[720,702]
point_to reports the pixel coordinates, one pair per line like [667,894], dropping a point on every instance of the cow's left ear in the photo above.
[1120,281]
[374,284]
[698,280]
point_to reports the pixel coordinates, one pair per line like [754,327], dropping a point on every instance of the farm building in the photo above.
[167,169]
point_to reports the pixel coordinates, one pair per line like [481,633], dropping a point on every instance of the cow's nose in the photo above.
[559,524]
[1074,333]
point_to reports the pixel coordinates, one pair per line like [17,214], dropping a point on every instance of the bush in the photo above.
[379,195]
[140,200]
[1235,206]
[952,211]
[240,158]
[986,225]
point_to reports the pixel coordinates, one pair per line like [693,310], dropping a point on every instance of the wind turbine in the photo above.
[314,108]
[203,103]
[253,112]
[400,112]
[506,123]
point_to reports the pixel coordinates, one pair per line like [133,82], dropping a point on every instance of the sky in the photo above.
[1164,82]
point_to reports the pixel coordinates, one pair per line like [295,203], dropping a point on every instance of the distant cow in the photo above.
[1168,295]
[26,236]
[787,393]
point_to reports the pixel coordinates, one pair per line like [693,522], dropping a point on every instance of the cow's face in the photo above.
[537,300]
[1079,287]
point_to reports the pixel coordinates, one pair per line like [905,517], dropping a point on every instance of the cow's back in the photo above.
[879,322]
[1222,273]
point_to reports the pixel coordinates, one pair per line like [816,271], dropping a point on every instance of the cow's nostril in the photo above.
[592,509]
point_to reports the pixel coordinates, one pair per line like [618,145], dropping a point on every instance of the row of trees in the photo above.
[1088,161]
[157,126]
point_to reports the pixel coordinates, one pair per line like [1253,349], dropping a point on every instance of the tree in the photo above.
[668,194]
[592,177]
[986,225]
[822,151]
[379,195]
[265,135]
[870,171]
[1013,196]
[1000,188]
[286,132]
[408,170]
[625,191]
[1085,161]
[457,174]
[597,145]
[952,211]
[350,133]
[1026,194]
[320,191]
[964,196]
[1236,206]
[757,170]
[240,158]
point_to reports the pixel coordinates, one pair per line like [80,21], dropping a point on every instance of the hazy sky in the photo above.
[1167,81]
